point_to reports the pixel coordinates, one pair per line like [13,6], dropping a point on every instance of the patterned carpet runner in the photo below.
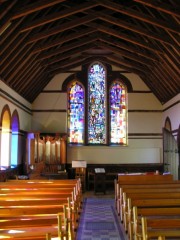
[99,221]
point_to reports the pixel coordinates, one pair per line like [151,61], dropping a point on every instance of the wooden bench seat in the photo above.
[44,214]
[140,191]
[145,203]
[39,231]
[143,177]
[170,213]
[147,192]
[24,205]
[145,188]
[143,181]
[160,228]
[144,185]
[151,195]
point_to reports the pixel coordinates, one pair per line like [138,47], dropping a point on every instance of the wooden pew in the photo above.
[38,231]
[45,215]
[50,184]
[46,197]
[47,236]
[146,195]
[145,199]
[44,208]
[170,213]
[15,202]
[160,228]
[148,203]
[144,179]
[156,187]
[36,188]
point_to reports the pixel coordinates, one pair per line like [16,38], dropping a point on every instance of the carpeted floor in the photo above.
[99,221]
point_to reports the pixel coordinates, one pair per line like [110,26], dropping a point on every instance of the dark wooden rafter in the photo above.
[42,38]
[29,77]
[57,42]
[65,55]
[140,16]
[126,37]
[43,80]
[68,47]
[59,15]
[6,16]
[67,63]
[129,48]
[63,27]
[34,7]
[167,8]
[173,58]
[127,63]
[7,58]
[133,28]
[18,58]
[37,85]
[126,54]
[23,68]
[6,8]
[123,66]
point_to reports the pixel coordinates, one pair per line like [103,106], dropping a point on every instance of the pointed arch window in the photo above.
[118,113]
[97,104]
[97,107]
[76,116]
[5,138]
[14,139]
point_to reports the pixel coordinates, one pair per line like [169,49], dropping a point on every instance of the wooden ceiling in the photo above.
[39,39]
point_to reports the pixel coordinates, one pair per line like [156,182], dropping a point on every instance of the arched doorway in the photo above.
[170,156]
[178,143]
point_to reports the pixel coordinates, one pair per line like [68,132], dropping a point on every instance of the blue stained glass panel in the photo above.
[76,113]
[97,104]
[118,114]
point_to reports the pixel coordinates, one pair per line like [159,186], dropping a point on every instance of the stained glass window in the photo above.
[76,120]
[97,104]
[118,113]
[100,116]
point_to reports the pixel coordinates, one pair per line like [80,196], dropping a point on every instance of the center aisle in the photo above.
[99,220]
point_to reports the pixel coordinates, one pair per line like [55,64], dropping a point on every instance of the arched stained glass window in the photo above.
[76,119]
[5,138]
[97,104]
[14,139]
[118,113]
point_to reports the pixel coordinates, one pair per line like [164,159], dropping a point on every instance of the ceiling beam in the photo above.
[167,8]
[34,7]
[58,42]
[63,27]
[132,49]
[59,15]
[140,16]
[69,46]
[123,36]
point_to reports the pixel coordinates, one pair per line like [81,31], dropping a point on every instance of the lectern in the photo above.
[80,172]
[100,180]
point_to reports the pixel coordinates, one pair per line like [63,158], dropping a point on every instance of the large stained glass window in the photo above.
[118,113]
[97,104]
[98,117]
[76,119]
